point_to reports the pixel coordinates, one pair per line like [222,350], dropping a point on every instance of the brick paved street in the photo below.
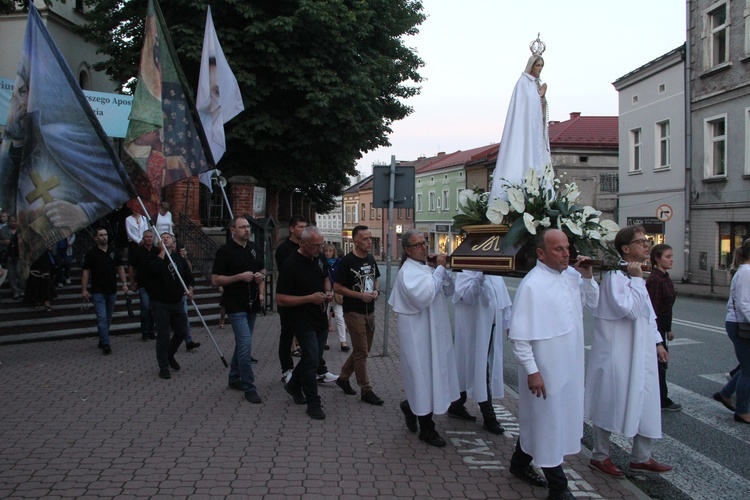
[79,424]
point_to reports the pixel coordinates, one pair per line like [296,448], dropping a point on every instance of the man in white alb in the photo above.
[546,329]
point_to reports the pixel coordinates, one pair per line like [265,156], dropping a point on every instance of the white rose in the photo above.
[545,222]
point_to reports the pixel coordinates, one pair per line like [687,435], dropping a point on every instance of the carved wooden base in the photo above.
[480,251]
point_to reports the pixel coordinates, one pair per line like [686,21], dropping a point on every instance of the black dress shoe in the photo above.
[253,360]
[296,394]
[100,345]
[327,348]
[235,386]
[529,475]
[192,345]
[253,397]
[561,495]
[461,413]
[173,364]
[107,349]
[345,348]
[493,427]
[409,417]
[371,398]
[432,438]
[165,374]
[346,387]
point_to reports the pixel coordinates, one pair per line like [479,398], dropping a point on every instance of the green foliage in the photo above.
[10,6]
[322,80]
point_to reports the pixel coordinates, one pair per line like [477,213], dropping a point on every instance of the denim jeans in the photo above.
[188,337]
[241,368]
[147,319]
[104,307]
[14,275]
[741,380]
[311,344]
[168,317]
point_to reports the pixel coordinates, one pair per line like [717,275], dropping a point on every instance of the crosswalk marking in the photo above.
[704,409]
[695,474]
[720,378]
[700,326]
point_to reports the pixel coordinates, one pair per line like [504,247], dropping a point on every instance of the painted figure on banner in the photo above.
[58,171]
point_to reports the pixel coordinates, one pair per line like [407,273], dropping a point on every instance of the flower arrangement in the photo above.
[540,201]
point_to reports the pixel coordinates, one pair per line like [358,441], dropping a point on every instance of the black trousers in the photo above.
[168,316]
[285,343]
[556,480]
[665,401]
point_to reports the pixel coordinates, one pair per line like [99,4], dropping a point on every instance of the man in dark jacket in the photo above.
[165,289]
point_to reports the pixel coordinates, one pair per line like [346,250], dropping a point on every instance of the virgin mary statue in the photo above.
[525,142]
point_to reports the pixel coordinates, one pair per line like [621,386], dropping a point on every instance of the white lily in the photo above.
[530,223]
[574,228]
[549,173]
[515,197]
[497,210]
[545,222]
[594,235]
[610,227]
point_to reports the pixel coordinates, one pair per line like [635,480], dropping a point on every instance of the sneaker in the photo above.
[192,345]
[235,386]
[316,412]
[371,398]
[346,387]
[296,394]
[672,407]
[286,377]
[327,378]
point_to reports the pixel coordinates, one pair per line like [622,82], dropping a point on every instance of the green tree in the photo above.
[322,80]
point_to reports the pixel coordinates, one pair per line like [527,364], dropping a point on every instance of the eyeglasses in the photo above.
[420,244]
[640,241]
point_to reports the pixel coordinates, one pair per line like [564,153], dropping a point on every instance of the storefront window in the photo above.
[731,236]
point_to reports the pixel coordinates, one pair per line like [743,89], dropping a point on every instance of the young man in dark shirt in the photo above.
[240,269]
[102,265]
[357,281]
[289,246]
[137,257]
[165,291]
[304,290]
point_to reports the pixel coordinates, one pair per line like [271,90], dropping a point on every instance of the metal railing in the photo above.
[200,248]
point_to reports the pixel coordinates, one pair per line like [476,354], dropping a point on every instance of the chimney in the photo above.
[575,114]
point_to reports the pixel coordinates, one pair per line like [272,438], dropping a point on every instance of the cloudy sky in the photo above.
[475,50]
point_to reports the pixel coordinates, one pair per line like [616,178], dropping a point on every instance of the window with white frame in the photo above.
[636,136]
[663,144]
[433,201]
[419,202]
[715,147]
[364,214]
[718,27]
[446,200]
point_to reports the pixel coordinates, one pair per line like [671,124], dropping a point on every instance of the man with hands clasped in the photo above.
[240,269]
[305,291]
[546,329]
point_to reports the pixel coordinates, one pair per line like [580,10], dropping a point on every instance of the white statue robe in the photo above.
[622,380]
[482,314]
[428,364]
[525,142]
[547,332]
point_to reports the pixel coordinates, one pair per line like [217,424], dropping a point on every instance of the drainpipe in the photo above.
[688,141]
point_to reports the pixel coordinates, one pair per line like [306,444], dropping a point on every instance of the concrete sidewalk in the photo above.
[76,423]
